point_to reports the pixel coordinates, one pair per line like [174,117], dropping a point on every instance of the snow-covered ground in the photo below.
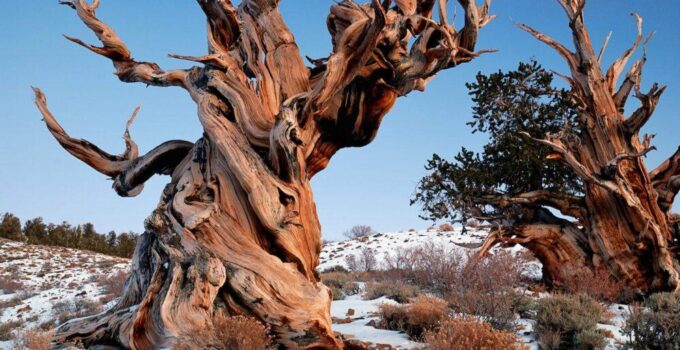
[51,275]
[359,326]
[382,245]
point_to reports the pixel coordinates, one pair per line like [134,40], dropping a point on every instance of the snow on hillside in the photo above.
[50,277]
[42,278]
[384,244]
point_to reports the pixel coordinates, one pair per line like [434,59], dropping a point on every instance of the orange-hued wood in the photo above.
[236,228]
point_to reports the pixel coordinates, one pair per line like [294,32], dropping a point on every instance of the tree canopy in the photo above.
[505,105]
[84,236]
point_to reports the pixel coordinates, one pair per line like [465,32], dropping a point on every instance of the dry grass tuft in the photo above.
[33,340]
[113,283]
[9,285]
[424,313]
[657,326]
[228,333]
[396,290]
[340,283]
[6,329]
[469,334]
[598,284]
[568,322]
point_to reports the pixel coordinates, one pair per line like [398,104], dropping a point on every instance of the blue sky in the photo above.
[370,185]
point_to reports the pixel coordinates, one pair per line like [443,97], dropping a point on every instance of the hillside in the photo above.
[382,245]
[44,285]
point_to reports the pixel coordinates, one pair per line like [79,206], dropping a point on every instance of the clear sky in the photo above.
[370,185]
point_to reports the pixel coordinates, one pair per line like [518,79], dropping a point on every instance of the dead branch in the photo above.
[129,171]
[127,69]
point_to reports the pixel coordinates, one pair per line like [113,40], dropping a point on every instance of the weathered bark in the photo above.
[236,228]
[624,214]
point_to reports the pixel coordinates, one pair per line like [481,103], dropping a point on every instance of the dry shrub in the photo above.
[228,333]
[341,284]
[16,300]
[496,308]
[435,267]
[113,283]
[359,231]
[481,287]
[596,283]
[568,322]
[8,285]
[467,333]
[336,268]
[363,261]
[33,340]
[6,329]
[473,223]
[400,263]
[424,313]
[486,288]
[337,293]
[445,227]
[657,326]
[397,291]
[71,309]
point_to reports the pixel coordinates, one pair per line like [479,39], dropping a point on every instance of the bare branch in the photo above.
[378,55]
[223,25]
[551,239]
[604,47]
[475,18]
[568,56]
[407,7]
[131,149]
[128,170]
[573,8]
[667,191]
[269,53]
[566,204]
[632,80]
[127,69]
[568,158]
[617,67]
[670,167]
[648,103]
[350,54]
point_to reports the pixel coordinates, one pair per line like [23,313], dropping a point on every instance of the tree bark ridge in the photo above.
[236,229]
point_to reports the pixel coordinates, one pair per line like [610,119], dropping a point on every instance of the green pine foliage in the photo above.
[505,105]
[85,237]
[10,227]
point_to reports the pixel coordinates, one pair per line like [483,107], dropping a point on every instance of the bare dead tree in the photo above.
[358,231]
[236,228]
[623,220]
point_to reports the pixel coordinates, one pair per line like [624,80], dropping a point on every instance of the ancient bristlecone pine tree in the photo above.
[236,229]
[623,219]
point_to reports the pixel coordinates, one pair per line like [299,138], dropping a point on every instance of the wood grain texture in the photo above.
[623,220]
[236,228]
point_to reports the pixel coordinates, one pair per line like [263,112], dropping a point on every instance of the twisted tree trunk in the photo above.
[624,221]
[236,228]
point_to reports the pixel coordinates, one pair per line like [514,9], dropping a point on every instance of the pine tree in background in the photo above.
[85,237]
[35,231]
[111,239]
[10,227]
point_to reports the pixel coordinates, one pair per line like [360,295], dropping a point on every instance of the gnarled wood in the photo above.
[236,228]
[624,214]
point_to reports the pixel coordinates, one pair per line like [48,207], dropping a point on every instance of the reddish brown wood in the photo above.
[624,221]
[236,228]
